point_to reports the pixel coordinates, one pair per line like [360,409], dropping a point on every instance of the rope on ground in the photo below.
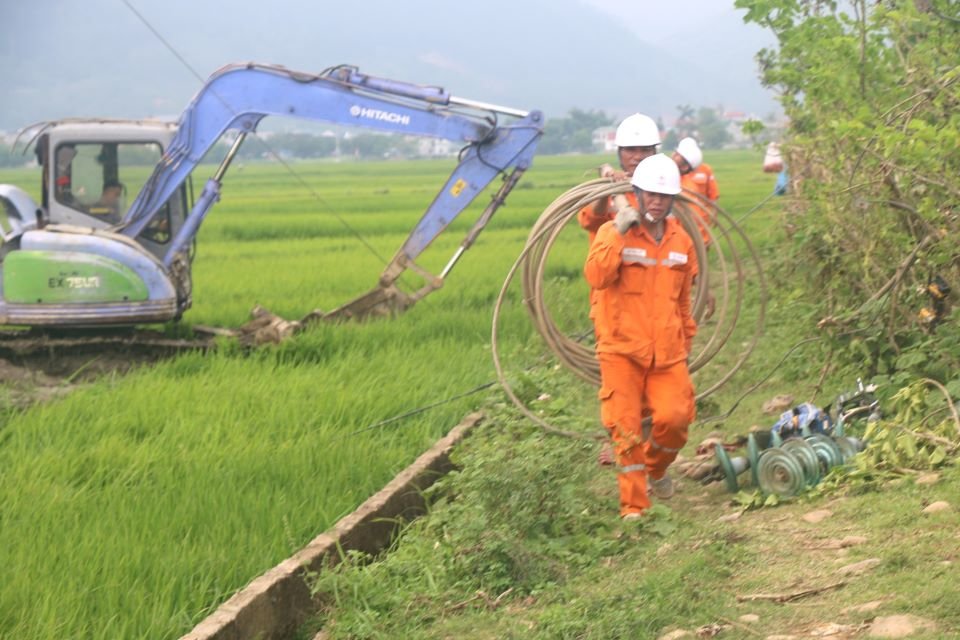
[422,409]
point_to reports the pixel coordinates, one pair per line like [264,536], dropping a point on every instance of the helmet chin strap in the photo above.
[646,214]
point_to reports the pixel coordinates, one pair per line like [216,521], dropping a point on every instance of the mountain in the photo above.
[135,58]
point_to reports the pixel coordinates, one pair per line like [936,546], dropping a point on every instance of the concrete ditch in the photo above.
[274,605]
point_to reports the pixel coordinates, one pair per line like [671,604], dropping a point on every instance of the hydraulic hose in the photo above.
[579,357]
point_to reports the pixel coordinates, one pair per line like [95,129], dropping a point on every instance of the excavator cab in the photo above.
[93,168]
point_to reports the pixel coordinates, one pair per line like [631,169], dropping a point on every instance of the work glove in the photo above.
[626,218]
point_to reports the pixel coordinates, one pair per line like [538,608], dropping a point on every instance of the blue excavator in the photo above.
[83,257]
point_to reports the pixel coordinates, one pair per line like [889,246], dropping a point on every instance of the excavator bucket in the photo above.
[384,300]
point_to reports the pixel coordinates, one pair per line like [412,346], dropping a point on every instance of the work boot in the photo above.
[662,488]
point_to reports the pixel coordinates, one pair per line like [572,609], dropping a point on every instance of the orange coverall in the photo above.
[641,310]
[702,182]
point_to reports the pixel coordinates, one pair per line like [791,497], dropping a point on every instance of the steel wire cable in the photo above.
[580,358]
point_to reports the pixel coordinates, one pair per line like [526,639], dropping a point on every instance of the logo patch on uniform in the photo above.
[677,258]
[634,255]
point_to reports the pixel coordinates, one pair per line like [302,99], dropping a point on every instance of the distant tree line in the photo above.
[10,158]
[573,133]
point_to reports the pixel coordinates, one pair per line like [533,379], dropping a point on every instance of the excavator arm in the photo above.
[237,97]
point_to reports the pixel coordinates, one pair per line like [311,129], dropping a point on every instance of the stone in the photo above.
[928,478]
[937,507]
[730,517]
[676,635]
[852,541]
[899,626]
[832,629]
[817,516]
[858,568]
[750,618]
[866,607]
[778,404]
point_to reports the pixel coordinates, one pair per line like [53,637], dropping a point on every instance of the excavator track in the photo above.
[29,342]
[138,344]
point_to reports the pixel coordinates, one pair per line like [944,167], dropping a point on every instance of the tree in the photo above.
[573,133]
[871,93]
[686,124]
[712,130]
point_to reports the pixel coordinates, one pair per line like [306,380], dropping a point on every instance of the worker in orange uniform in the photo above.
[640,268]
[697,177]
[636,138]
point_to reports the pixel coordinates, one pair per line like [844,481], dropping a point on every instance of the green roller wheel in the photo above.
[779,473]
[849,447]
[776,440]
[806,456]
[753,454]
[838,428]
[827,450]
[729,475]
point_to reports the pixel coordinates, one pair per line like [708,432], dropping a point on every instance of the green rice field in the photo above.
[137,504]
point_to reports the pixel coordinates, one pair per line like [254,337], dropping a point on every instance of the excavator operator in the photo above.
[636,138]
[640,269]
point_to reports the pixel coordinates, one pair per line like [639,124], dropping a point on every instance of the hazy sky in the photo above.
[657,21]
[65,58]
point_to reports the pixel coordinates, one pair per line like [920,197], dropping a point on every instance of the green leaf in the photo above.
[908,444]
[938,456]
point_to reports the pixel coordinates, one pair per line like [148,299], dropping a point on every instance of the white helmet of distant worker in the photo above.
[690,151]
[657,174]
[637,130]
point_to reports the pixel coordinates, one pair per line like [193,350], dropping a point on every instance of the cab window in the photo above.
[101,179]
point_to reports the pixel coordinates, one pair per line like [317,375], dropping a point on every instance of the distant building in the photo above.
[604,139]
[436,147]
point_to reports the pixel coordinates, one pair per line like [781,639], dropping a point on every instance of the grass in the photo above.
[524,542]
[135,506]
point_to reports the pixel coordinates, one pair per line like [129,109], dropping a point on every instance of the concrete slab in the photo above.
[276,604]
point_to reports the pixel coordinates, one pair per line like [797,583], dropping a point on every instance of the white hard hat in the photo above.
[637,130]
[690,150]
[657,174]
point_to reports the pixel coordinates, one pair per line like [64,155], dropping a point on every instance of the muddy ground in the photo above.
[41,367]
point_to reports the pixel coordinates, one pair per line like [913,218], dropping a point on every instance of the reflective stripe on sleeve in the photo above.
[633,467]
